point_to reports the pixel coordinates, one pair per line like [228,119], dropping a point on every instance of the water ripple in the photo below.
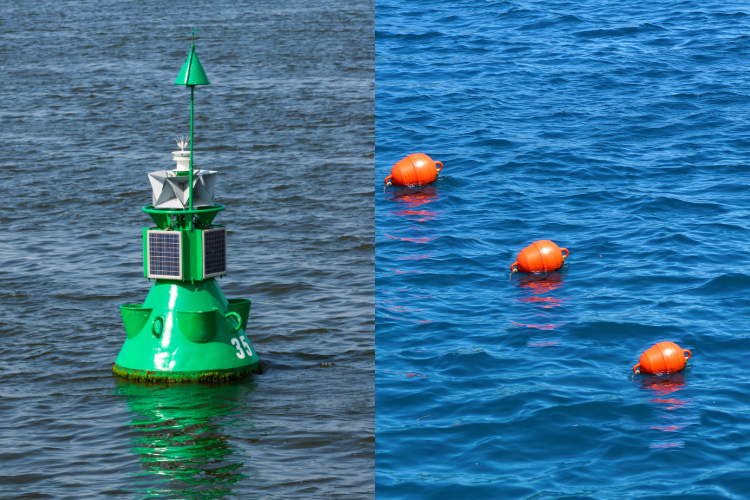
[618,132]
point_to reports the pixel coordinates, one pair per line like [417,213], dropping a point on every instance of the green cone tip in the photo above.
[192,72]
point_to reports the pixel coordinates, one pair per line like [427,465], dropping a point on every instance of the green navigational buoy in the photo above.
[186,330]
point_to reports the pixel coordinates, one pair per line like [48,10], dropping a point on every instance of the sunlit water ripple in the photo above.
[620,132]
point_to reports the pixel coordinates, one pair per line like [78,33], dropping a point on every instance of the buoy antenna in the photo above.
[182,142]
[192,34]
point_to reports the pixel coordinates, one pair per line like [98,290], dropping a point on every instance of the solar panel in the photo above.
[165,254]
[214,252]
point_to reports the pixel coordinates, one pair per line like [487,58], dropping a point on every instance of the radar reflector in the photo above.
[214,252]
[164,254]
[172,191]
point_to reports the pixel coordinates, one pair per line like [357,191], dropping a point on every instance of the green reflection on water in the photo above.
[182,437]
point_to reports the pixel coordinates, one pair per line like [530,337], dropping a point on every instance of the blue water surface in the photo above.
[620,131]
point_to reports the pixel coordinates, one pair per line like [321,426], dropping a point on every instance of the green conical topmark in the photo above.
[192,72]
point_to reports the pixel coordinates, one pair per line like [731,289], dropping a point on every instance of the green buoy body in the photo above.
[186,330]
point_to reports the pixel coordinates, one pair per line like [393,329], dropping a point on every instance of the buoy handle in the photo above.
[157,331]
[441,165]
[387,183]
[237,317]
[565,253]
[689,354]
[515,264]
[636,368]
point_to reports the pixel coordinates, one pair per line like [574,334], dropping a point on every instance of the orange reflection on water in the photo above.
[407,272]
[533,288]
[676,444]
[424,239]
[415,257]
[664,390]
[668,428]
[545,302]
[400,308]
[542,344]
[535,285]
[409,375]
[409,199]
[411,203]
[409,320]
[540,326]
[666,386]
[390,305]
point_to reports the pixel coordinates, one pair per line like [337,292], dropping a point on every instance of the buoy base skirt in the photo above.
[187,333]
[214,377]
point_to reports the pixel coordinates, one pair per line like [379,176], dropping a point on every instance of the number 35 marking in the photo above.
[240,352]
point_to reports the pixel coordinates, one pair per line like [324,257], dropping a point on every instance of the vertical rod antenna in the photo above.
[192,140]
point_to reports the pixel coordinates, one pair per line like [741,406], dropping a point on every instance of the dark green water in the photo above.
[88,109]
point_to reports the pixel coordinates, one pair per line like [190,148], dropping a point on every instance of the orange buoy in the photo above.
[663,358]
[417,169]
[542,256]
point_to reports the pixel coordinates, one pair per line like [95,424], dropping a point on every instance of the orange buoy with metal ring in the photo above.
[417,169]
[542,256]
[663,358]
